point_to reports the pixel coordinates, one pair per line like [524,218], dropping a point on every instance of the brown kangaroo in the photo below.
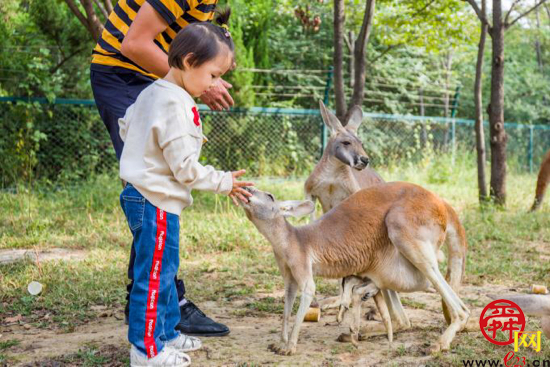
[390,233]
[342,171]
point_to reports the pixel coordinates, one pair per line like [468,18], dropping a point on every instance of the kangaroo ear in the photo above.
[330,119]
[355,119]
[296,208]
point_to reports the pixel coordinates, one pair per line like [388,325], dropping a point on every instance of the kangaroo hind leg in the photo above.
[417,245]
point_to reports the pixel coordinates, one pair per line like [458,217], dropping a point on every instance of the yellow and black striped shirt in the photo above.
[177,13]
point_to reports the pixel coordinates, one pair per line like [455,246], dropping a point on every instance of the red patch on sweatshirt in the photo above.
[196,117]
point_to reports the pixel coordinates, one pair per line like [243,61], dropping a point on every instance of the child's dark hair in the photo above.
[203,41]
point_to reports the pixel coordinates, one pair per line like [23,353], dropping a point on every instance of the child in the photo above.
[162,134]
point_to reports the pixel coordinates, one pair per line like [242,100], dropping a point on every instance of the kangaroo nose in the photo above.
[365,160]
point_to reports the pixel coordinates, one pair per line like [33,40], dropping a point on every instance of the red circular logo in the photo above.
[501,315]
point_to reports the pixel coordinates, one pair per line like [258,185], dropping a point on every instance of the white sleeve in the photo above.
[181,155]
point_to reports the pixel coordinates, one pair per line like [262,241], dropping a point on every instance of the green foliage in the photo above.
[45,50]
[18,152]
[241,80]
[432,26]
[52,142]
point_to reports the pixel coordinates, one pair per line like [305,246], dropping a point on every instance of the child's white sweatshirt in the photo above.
[162,135]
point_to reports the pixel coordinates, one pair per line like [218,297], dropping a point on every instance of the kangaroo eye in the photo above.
[271,197]
[346,143]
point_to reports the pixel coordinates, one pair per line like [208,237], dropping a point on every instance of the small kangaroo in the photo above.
[390,233]
[542,182]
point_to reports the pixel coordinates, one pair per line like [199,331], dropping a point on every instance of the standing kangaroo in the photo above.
[542,181]
[390,233]
[342,171]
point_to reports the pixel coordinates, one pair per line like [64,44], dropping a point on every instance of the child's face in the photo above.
[198,80]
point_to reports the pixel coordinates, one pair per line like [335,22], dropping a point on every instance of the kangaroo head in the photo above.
[343,143]
[263,206]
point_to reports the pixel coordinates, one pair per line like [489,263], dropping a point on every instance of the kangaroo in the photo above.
[390,233]
[343,170]
[542,182]
[356,290]
[534,305]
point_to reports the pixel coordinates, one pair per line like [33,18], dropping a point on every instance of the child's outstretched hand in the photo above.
[238,191]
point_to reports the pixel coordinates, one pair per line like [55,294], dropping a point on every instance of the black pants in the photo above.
[115,89]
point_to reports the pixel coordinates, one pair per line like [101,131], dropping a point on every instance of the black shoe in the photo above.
[195,322]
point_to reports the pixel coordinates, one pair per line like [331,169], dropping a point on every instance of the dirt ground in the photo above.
[247,345]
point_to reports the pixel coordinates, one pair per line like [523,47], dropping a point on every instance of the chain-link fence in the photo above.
[393,138]
[67,140]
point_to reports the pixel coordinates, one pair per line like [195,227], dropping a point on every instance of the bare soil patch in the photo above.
[12,255]
[251,333]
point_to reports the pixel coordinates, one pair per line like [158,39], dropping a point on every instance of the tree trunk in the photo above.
[90,21]
[351,46]
[339,91]
[480,134]
[424,135]
[359,58]
[538,47]
[447,66]
[496,109]
[108,6]
[360,52]
[96,25]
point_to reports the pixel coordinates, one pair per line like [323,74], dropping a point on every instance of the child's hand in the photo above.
[238,191]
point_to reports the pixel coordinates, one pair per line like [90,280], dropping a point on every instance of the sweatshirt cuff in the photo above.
[227,184]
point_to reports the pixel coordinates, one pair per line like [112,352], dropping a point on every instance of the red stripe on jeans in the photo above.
[154,283]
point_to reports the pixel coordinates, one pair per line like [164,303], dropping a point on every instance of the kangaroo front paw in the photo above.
[355,340]
[341,312]
[282,349]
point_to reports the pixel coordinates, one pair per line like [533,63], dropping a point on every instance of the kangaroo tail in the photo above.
[542,182]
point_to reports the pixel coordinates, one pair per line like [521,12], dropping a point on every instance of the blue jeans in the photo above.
[154,305]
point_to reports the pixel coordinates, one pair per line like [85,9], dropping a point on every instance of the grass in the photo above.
[223,257]
[89,356]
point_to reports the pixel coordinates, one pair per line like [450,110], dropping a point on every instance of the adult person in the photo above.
[130,55]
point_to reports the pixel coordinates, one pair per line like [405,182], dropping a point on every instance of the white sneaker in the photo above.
[185,343]
[168,357]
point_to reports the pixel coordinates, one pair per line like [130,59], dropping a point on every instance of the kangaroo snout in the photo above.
[361,163]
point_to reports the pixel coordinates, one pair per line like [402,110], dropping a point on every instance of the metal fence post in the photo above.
[324,134]
[530,149]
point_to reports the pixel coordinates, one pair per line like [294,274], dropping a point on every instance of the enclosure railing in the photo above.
[67,139]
